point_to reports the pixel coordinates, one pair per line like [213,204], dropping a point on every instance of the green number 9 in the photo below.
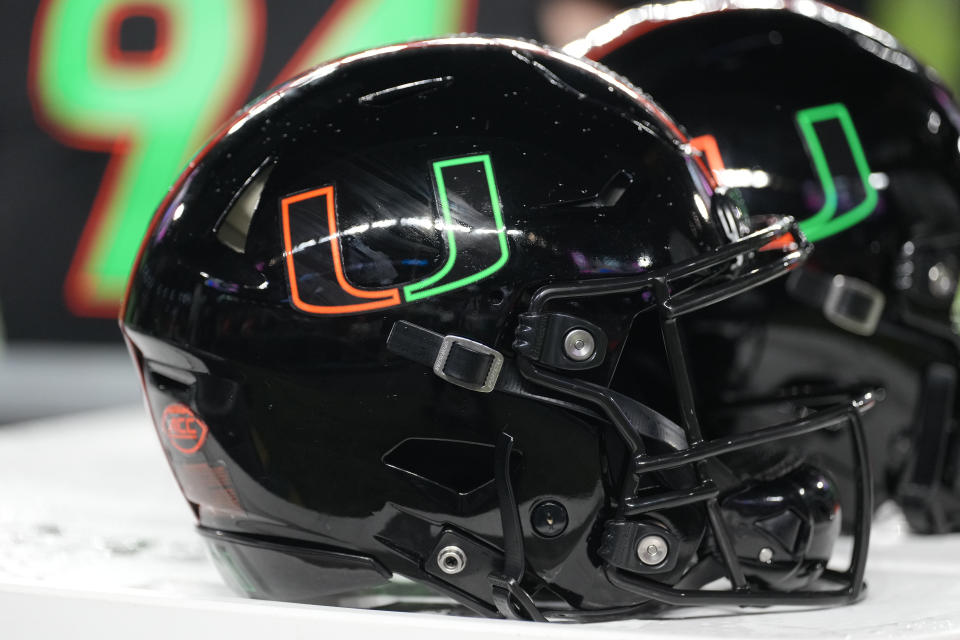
[150,110]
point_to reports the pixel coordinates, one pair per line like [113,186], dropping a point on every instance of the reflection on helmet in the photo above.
[816,113]
[392,297]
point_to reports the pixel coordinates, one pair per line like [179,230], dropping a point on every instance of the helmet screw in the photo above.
[549,519]
[766,555]
[579,345]
[451,560]
[652,550]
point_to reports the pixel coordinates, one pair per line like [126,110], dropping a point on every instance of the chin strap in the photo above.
[465,363]
[510,598]
[929,504]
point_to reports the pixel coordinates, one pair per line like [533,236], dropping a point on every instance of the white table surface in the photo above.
[96,542]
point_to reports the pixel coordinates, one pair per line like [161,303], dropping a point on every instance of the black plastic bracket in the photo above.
[540,338]
[619,546]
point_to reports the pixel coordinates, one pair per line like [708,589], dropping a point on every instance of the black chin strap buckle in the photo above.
[477,366]
[460,361]
[849,303]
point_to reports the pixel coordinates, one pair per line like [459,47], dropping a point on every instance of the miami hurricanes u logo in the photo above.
[458,182]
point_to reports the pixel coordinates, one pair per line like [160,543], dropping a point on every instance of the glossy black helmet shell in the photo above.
[378,319]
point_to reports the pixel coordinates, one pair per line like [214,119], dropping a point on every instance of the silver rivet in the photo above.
[451,560]
[766,555]
[579,345]
[941,280]
[652,550]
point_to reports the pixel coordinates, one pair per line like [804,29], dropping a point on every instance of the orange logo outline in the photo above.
[181,424]
[381,298]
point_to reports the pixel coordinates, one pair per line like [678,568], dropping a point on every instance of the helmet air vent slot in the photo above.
[234,226]
[455,466]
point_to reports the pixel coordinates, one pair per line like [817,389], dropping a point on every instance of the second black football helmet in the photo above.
[811,111]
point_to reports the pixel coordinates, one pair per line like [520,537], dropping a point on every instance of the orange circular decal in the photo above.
[185,431]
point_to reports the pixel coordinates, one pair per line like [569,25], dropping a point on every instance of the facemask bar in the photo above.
[851,580]
[751,275]
[671,306]
[743,264]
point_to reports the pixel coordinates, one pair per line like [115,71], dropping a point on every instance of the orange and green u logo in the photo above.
[488,240]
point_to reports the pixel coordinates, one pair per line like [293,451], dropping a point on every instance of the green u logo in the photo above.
[825,222]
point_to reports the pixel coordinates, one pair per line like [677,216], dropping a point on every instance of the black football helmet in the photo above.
[814,112]
[378,323]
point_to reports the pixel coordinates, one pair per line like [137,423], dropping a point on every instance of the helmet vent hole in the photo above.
[234,226]
[172,380]
[452,465]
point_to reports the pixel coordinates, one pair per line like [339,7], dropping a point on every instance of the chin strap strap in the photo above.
[465,363]
[510,598]
[929,504]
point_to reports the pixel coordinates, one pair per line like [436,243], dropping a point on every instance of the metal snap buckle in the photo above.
[493,373]
[836,305]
